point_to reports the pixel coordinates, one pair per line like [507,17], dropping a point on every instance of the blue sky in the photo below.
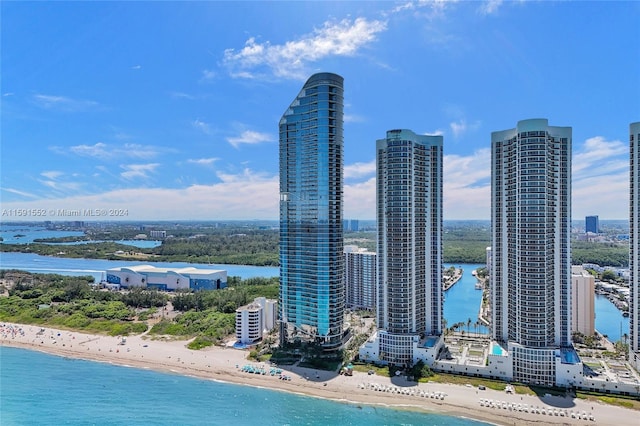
[170,110]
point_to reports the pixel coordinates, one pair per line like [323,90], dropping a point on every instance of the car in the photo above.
[370,372]
[481,387]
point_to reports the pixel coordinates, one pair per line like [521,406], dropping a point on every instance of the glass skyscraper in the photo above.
[592,224]
[531,270]
[634,245]
[409,213]
[312,294]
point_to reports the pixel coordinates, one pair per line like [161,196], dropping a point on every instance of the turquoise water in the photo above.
[497,350]
[430,341]
[40,389]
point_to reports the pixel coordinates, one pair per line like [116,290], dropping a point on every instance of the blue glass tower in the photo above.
[592,224]
[312,294]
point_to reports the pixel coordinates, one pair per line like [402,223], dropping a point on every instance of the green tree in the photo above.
[420,370]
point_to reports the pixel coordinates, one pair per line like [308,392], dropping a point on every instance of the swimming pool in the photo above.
[497,350]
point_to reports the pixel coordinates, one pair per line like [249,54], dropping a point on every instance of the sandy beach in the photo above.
[226,365]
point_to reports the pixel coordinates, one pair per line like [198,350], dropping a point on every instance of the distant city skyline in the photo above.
[169,110]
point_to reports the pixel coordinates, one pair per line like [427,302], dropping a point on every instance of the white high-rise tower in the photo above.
[531,269]
[409,213]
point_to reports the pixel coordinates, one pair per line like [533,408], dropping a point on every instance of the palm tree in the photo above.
[468,325]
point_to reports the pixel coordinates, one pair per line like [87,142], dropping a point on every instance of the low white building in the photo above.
[255,319]
[269,312]
[422,349]
[167,279]
[249,323]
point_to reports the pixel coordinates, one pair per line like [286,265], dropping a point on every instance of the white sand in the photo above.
[220,364]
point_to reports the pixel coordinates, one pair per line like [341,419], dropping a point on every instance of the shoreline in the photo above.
[224,365]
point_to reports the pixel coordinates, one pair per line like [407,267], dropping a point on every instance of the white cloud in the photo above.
[203,161]
[136,67]
[61,187]
[467,185]
[600,178]
[208,75]
[435,8]
[461,126]
[250,137]
[63,103]
[247,195]
[289,60]
[600,186]
[353,118]
[202,126]
[490,6]
[103,151]
[182,95]
[360,199]
[140,151]
[437,132]
[599,155]
[466,188]
[99,150]
[138,171]
[357,170]
[53,174]
[18,192]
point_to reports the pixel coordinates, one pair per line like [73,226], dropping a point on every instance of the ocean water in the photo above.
[41,389]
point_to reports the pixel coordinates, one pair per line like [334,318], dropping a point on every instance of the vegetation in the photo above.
[419,371]
[250,247]
[210,315]
[620,400]
[66,302]
[466,244]
[590,342]
[106,250]
[70,302]
[603,254]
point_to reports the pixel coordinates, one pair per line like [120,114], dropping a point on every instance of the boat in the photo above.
[625,314]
